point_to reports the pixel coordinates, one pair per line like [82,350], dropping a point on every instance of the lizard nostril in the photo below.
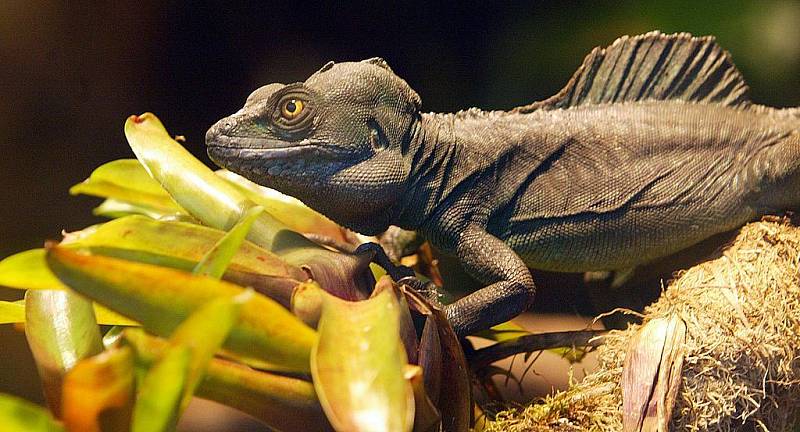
[224,127]
[216,131]
[221,129]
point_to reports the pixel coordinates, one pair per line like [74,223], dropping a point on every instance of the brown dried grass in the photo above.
[741,369]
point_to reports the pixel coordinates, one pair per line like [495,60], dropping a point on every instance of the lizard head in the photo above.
[335,141]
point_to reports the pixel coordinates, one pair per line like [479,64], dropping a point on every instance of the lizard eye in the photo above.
[293,112]
[292,108]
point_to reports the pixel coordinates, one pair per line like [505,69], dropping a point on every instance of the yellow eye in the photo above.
[292,108]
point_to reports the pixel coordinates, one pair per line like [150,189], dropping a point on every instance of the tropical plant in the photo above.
[203,285]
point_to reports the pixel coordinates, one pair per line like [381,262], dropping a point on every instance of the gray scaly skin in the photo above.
[651,147]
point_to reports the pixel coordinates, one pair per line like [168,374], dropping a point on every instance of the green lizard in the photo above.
[652,146]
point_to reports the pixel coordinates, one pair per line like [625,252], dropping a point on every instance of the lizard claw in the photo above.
[396,272]
[429,290]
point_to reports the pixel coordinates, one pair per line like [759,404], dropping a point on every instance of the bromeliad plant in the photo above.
[210,290]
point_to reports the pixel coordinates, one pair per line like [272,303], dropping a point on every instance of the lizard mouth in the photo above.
[260,159]
[261,148]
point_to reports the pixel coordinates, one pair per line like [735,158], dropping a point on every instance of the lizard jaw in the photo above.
[264,166]
[262,148]
[259,158]
[221,152]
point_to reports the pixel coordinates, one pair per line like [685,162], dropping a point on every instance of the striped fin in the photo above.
[653,66]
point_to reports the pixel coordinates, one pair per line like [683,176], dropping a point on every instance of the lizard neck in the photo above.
[427,152]
[444,163]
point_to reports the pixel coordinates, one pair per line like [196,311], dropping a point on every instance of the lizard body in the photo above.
[651,147]
[602,189]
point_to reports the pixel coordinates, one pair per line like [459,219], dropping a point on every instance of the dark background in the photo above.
[71,72]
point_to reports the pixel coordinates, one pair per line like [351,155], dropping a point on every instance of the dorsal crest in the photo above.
[653,66]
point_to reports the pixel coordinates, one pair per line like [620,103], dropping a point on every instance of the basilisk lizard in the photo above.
[652,146]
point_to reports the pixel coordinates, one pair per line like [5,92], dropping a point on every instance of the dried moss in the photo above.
[741,369]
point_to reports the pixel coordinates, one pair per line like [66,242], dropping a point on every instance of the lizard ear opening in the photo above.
[377,138]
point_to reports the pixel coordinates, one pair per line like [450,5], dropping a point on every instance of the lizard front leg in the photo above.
[509,291]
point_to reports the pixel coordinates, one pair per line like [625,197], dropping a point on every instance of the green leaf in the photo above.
[130,174]
[107,316]
[100,387]
[27,270]
[282,402]
[159,397]
[153,203]
[126,180]
[217,203]
[11,312]
[181,245]
[58,344]
[160,298]
[170,383]
[288,210]
[14,312]
[174,244]
[194,186]
[112,208]
[358,363]
[203,333]
[18,415]
[112,336]
[216,260]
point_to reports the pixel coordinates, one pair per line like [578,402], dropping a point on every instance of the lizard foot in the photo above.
[429,290]
[396,272]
